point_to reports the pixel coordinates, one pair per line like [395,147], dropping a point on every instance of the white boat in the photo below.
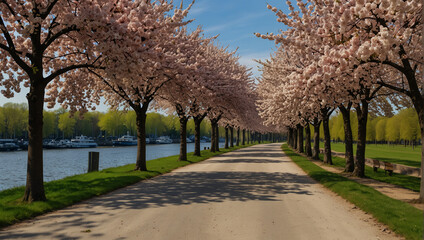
[164,140]
[147,140]
[188,140]
[53,144]
[83,142]
[126,140]
[66,143]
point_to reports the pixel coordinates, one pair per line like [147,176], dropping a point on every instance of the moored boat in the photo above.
[164,140]
[83,142]
[54,144]
[8,145]
[126,140]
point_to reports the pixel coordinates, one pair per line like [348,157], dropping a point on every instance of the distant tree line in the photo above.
[61,124]
[402,128]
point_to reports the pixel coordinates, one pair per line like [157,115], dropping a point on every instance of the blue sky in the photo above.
[234,21]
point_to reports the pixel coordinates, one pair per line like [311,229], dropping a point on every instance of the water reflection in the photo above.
[60,163]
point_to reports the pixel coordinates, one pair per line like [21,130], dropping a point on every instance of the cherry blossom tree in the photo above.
[42,42]
[358,37]
[145,60]
[182,96]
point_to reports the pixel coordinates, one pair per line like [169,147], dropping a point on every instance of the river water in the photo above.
[60,163]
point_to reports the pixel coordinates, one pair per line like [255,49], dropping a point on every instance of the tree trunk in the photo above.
[213,135]
[243,137]
[316,124]
[362,115]
[421,119]
[327,140]
[418,101]
[34,190]
[295,138]
[183,138]
[141,137]
[348,138]
[197,121]
[238,137]
[300,138]
[308,147]
[289,137]
[226,138]
[232,137]
[217,137]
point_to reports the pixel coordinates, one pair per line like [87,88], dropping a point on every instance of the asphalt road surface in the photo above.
[253,193]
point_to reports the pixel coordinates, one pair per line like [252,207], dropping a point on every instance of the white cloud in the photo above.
[198,8]
[249,61]
[236,22]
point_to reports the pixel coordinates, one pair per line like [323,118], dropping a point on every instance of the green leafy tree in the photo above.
[13,119]
[371,131]
[393,129]
[409,129]
[50,124]
[380,129]
[190,127]
[172,124]
[154,124]
[67,124]
[112,122]
[130,122]
[205,128]
[336,127]
[87,124]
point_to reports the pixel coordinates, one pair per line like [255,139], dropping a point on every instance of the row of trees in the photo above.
[362,55]
[402,127]
[61,124]
[135,54]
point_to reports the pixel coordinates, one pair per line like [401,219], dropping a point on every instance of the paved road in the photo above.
[253,193]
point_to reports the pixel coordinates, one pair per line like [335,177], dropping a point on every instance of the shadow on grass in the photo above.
[400,161]
[405,181]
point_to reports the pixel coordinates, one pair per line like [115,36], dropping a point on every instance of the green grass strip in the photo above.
[70,190]
[401,217]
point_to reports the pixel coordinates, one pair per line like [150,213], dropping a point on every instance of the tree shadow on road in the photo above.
[244,160]
[181,188]
[178,188]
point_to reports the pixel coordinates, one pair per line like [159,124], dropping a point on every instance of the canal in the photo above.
[60,163]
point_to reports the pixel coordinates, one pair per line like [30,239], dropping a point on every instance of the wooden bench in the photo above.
[375,165]
[388,167]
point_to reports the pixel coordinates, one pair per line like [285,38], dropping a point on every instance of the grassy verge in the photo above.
[405,181]
[70,190]
[389,153]
[401,217]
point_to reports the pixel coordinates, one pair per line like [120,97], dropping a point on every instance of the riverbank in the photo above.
[70,190]
[401,217]
[61,163]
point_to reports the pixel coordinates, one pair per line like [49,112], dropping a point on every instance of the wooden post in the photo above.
[93,161]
